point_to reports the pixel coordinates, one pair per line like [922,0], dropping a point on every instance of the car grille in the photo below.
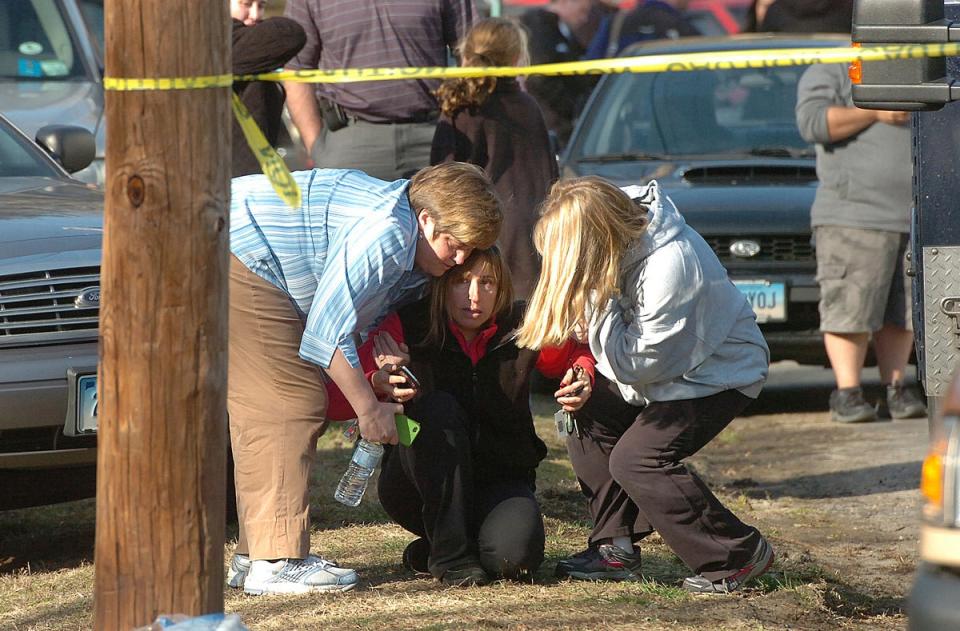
[41,305]
[788,248]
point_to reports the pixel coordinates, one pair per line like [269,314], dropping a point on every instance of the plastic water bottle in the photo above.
[353,484]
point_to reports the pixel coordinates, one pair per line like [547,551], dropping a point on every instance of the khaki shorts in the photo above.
[863,285]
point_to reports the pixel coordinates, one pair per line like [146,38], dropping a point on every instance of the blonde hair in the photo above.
[586,226]
[491,258]
[461,200]
[490,42]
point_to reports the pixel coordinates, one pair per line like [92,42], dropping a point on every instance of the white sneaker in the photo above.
[238,570]
[298,576]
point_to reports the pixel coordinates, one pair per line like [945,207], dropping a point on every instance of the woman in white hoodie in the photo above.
[670,329]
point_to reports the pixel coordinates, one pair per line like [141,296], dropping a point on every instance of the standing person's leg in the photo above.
[510,535]
[428,488]
[412,144]
[276,404]
[360,145]
[854,268]
[648,463]
[894,341]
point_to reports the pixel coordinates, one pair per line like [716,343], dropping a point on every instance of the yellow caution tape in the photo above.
[272,164]
[171,83]
[716,60]
[283,183]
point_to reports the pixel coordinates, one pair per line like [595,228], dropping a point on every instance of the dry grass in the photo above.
[55,590]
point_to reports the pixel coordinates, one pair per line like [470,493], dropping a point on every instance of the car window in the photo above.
[18,158]
[93,15]
[36,43]
[687,113]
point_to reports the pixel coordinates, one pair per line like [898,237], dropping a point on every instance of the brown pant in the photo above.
[277,403]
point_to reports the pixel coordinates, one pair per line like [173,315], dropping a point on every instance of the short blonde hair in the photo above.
[490,257]
[461,200]
[586,226]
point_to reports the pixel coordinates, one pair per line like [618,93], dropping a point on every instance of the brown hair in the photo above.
[585,227]
[492,258]
[490,42]
[461,200]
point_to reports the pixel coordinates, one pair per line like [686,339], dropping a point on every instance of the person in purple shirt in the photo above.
[381,127]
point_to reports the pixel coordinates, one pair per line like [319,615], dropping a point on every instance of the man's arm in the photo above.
[844,122]
[305,112]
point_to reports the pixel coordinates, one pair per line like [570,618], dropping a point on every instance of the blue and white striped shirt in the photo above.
[345,257]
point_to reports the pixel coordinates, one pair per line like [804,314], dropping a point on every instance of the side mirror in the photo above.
[73,147]
[902,84]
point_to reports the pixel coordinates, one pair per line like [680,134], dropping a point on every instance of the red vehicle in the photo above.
[711,17]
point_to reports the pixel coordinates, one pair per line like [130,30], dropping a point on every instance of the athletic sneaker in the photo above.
[903,403]
[759,563]
[237,572]
[606,562]
[298,576]
[847,406]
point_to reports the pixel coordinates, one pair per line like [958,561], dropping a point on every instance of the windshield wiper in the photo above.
[622,157]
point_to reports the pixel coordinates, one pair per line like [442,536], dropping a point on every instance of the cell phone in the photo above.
[411,378]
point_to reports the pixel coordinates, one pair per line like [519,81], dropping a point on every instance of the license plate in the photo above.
[86,412]
[769,300]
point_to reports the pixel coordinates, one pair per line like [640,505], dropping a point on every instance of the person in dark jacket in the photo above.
[552,40]
[808,16]
[492,123]
[649,20]
[260,46]
[466,485]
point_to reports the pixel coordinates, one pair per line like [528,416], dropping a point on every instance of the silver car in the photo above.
[50,241]
[51,69]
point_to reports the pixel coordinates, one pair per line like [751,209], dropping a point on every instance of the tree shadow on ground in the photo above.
[887,478]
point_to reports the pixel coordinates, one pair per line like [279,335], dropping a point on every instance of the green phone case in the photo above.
[407,429]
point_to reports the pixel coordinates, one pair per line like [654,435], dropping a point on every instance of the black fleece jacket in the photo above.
[494,393]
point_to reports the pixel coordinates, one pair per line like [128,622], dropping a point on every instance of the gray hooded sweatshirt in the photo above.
[680,329]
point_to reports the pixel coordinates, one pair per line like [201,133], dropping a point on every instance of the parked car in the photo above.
[50,233]
[51,70]
[934,604]
[724,145]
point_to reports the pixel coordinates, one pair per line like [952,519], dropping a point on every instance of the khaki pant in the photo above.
[277,403]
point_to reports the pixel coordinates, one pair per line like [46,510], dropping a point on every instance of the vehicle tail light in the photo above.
[855,69]
[931,477]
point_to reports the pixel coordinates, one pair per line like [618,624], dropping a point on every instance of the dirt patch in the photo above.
[840,504]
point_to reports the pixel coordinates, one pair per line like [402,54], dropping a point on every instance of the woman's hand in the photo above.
[388,352]
[378,425]
[574,391]
[390,383]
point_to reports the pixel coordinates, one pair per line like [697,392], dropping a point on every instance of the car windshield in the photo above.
[659,115]
[36,43]
[18,158]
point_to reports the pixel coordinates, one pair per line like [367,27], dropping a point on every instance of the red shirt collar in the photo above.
[477,347]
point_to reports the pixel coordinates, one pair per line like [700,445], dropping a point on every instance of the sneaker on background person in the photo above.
[759,563]
[903,402]
[604,562]
[297,576]
[848,406]
[238,570]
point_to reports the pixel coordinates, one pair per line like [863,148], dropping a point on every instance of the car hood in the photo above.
[726,197]
[48,223]
[32,104]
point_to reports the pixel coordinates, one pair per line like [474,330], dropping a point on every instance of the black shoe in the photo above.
[416,556]
[469,575]
[759,563]
[847,406]
[606,562]
[902,402]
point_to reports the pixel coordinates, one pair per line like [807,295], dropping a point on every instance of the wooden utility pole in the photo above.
[163,323]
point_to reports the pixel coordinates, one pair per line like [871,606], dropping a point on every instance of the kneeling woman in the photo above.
[466,485]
